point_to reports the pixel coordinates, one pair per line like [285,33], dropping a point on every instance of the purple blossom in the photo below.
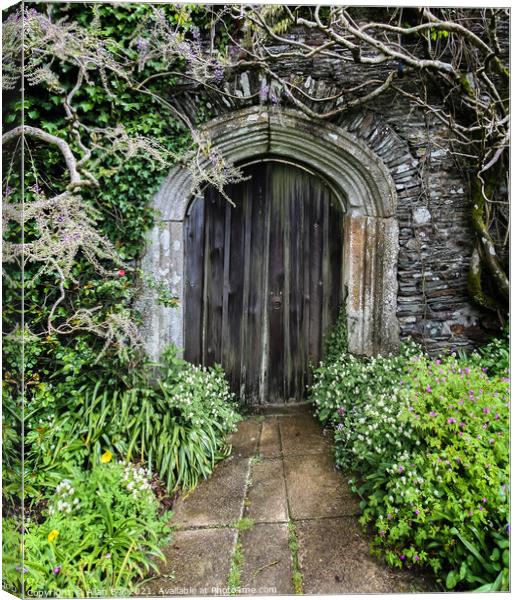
[57,569]
[428,389]
[416,557]
[218,73]
[484,500]
[264,93]
[417,512]
[389,516]
[432,413]
[485,411]
[19,569]
[402,557]
[340,426]
[438,362]
[196,34]
[108,555]
[142,44]
[382,533]
[341,410]
[451,420]
[402,468]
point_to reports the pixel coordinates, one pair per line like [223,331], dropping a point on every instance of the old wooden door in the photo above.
[263,280]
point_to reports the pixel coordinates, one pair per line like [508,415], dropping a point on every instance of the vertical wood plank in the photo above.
[235,315]
[277,290]
[256,267]
[214,266]
[194,279]
[325,275]
[316,243]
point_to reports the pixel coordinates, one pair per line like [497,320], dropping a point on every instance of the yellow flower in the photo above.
[53,535]
[106,457]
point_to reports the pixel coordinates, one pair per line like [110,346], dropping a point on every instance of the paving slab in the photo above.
[246,437]
[270,445]
[302,434]
[217,500]
[198,564]
[316,489]
[267,562]
[266,497]
[334,558]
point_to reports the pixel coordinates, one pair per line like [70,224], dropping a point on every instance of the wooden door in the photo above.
[263,280]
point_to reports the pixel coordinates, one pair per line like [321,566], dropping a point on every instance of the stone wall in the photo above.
[435,233]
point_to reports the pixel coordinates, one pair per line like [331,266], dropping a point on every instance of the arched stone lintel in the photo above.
[354,169]
[367,193]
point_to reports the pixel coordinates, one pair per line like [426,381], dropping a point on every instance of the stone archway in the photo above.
[363,185]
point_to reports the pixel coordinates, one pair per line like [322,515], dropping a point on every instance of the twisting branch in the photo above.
[76,181]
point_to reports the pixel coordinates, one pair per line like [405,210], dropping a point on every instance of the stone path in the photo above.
[275,518]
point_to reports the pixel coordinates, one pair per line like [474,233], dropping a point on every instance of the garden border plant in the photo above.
[427,441]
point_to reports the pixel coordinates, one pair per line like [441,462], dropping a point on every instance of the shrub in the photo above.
[494,356]
[428,440]
[175,419]
[101,528]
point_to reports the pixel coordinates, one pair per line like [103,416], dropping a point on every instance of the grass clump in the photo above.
[293,544]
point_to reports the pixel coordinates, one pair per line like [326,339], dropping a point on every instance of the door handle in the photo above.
[276,302]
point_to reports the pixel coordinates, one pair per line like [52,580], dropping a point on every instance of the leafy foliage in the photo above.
[101,527]
[175,420]
[494,356]
[428,441]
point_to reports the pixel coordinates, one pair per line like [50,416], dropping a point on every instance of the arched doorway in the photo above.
[263,279]
[362,183]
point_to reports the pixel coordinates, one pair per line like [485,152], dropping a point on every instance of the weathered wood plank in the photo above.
[194,259]
[232,352]
[214,268]
[277,290]
[316,239]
